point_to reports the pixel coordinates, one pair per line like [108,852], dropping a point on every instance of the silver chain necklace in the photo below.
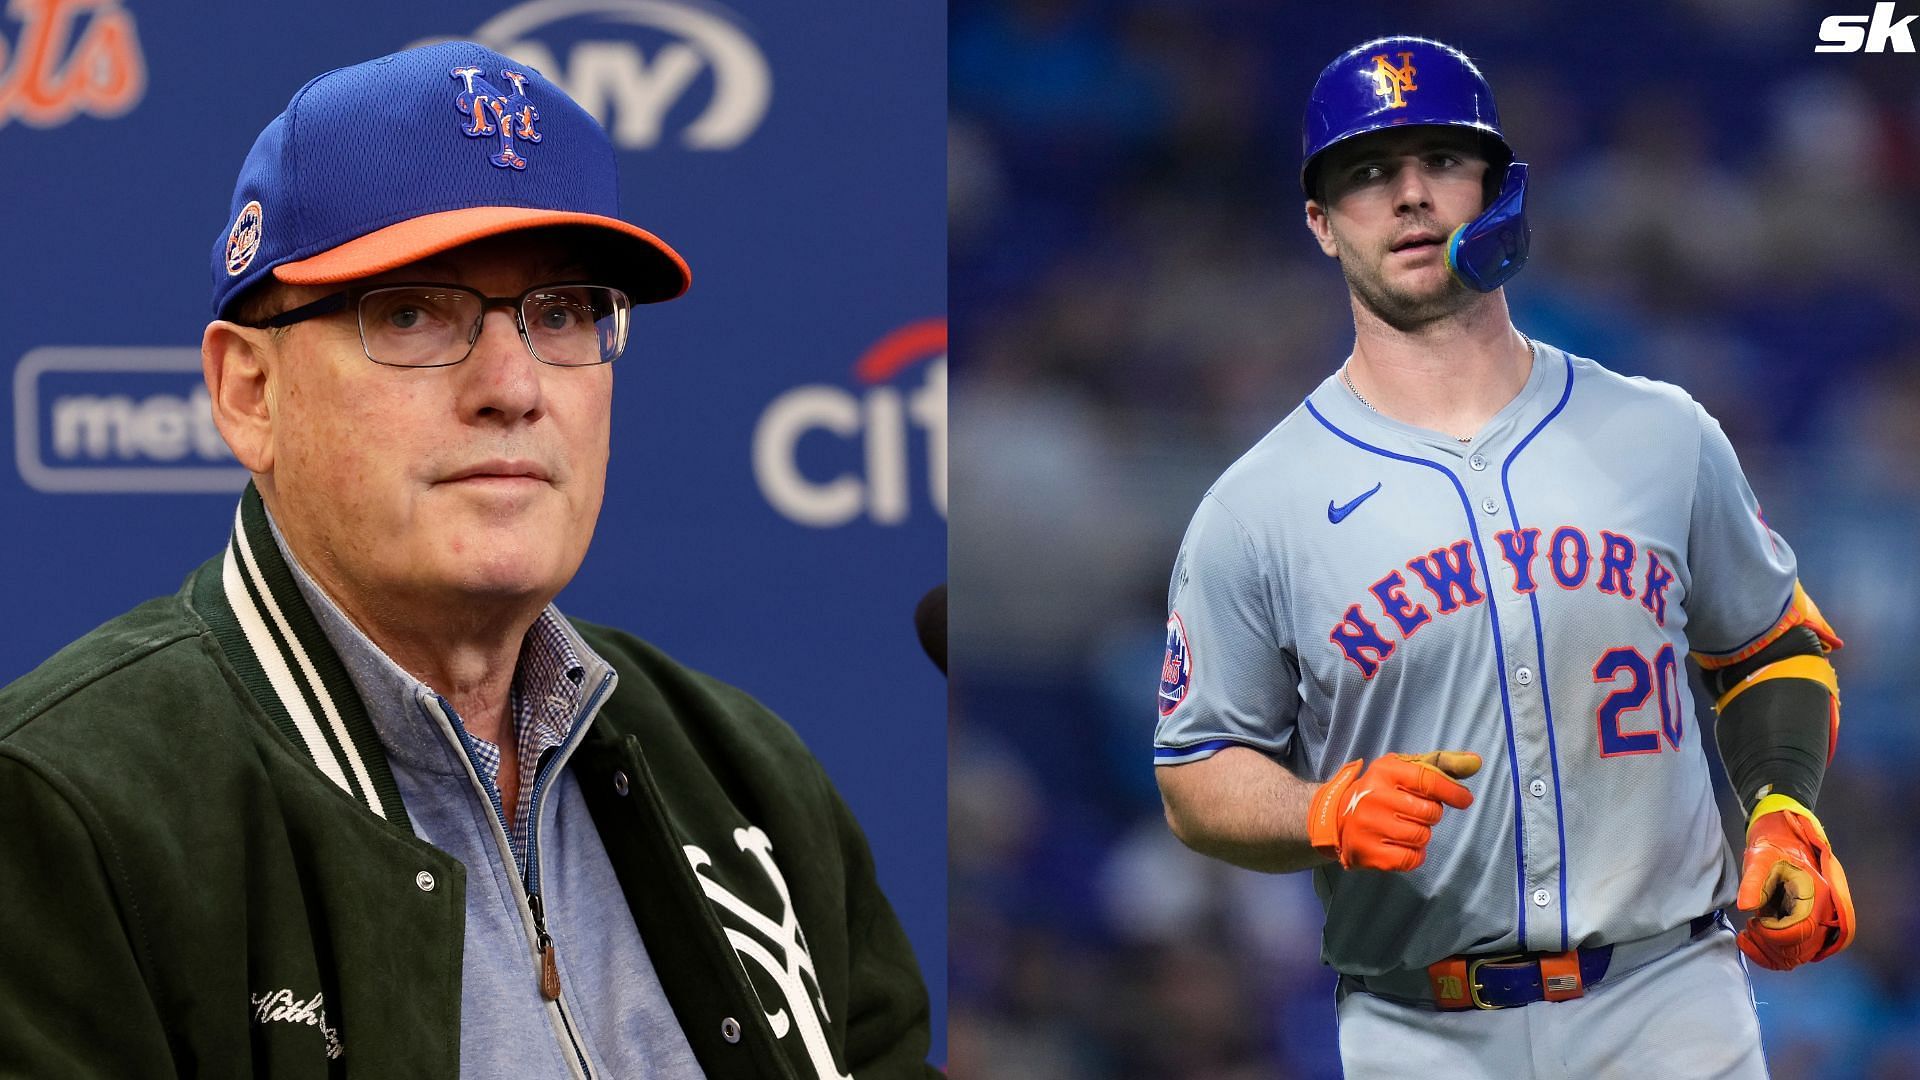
[1533,356]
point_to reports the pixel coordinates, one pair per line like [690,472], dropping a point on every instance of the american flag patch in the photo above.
[1560,984]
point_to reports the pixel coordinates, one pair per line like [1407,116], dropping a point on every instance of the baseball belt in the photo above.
[1509,980]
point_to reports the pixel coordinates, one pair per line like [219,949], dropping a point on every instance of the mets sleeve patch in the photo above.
[1176,671]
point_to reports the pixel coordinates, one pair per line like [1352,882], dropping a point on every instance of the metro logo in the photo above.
[879,419]
[638,60]
[52,75]
[115,435]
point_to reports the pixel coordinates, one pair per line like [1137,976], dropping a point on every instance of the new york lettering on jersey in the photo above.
[1450,575]
[1529,596]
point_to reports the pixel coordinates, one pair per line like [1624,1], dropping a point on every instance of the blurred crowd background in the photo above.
[1136,300]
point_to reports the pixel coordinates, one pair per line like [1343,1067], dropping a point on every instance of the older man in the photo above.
[358,800]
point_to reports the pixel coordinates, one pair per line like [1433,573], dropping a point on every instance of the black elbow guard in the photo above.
[1779,718]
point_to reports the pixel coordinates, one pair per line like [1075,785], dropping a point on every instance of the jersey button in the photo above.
[1523,676]
[1537,788]
[1541,898]
[1477,463]
[1490,506]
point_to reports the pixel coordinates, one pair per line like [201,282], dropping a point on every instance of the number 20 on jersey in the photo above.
[1634,678]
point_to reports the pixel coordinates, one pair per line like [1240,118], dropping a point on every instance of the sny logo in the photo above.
[1873,33]
[1393,81]
[512,115]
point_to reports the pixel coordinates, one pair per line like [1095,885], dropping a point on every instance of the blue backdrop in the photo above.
[776,503]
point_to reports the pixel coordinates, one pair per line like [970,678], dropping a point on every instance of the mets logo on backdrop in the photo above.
[117,419]
[653,72]
[489,112]
[56,75]
[863,465]
[1176,671]
[1393,81]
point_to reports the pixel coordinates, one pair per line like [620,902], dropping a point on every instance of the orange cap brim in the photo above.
[430,234]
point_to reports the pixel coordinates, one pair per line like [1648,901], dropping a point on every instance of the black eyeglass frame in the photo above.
[333,303]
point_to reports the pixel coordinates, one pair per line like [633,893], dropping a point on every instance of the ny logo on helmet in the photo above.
[1392,81]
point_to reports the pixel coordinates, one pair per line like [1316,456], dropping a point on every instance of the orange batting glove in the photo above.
[1382,816]
[1792,882]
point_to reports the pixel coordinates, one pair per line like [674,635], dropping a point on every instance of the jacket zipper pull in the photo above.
[549,971]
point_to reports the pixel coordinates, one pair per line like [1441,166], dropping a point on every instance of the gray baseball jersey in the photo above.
[1354,586]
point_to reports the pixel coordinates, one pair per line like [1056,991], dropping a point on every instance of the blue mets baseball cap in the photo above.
[377,165]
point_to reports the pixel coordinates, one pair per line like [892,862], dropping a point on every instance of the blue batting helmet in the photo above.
[1410,81]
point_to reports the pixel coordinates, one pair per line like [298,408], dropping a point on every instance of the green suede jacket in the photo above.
[205,869]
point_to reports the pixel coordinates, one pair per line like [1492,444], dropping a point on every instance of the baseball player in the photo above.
[1428,638]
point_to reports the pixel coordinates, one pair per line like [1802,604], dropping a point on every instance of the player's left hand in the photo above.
[1795,887]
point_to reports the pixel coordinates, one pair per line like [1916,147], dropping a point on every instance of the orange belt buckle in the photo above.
[1449,979]
[1560,976]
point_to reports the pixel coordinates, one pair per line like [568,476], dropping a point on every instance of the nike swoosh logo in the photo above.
[1338,514]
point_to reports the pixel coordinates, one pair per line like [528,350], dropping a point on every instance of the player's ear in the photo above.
[1321,228]
[233,360]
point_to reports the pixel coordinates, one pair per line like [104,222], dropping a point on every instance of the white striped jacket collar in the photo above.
[283,658]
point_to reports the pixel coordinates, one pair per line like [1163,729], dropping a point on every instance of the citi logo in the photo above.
[651,71]
[1870,33]
[104,420]
[877,422]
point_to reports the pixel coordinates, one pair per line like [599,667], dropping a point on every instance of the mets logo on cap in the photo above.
[243,240]
[1176,671]
[490,112]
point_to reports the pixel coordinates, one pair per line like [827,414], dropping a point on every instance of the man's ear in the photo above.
[233,361]
[1321,228]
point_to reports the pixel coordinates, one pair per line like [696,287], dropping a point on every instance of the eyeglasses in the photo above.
[420,325]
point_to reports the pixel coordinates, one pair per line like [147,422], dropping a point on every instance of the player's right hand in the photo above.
[1381,816]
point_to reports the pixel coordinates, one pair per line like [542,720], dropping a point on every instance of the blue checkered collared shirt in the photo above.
[544,700]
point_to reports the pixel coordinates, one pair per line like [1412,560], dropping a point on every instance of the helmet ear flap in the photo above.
[1491,248]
